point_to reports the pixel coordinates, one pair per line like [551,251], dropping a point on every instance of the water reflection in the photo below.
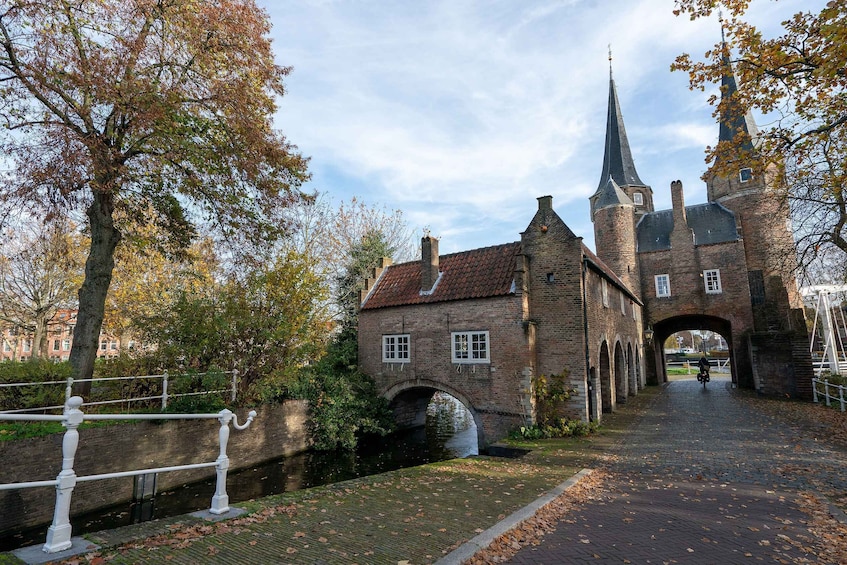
[450,433]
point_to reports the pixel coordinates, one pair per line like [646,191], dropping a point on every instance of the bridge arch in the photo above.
[409,399]
[669,326]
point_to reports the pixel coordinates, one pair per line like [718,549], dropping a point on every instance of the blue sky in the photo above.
[461,113]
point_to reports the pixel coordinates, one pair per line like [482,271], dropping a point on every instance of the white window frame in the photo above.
[396,348]
[663,285]
[712,280]
[741,175]
[470,347]
[638,199]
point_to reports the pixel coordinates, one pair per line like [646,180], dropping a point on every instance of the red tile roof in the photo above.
[478,273]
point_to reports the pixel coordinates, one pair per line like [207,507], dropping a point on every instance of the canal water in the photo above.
[449,433]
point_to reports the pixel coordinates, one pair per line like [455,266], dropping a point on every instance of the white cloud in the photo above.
[462,112]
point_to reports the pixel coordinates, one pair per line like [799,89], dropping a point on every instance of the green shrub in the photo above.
[559,427]
[35,395]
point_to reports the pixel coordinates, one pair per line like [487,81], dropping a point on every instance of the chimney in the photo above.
[545,202]
[429,263]
[678,202]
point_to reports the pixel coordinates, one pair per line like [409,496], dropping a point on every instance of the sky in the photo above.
[460,113]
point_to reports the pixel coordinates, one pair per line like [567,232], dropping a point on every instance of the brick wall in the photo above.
[276,432]
[496,387]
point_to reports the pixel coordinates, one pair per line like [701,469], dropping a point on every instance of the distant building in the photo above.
[17,345]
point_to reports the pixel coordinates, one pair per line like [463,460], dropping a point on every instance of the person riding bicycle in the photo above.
[704,365]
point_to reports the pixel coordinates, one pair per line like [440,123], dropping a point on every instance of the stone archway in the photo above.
[665,328]
[409,400]
[605,378]
[620,374]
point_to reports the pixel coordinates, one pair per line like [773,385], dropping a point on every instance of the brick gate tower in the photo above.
[725,266]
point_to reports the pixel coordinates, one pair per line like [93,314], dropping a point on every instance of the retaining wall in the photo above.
[277,431]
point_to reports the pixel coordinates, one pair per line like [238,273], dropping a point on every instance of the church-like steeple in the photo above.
[734,119]
[617,161]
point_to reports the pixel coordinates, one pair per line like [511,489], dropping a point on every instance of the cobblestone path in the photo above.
[705,477]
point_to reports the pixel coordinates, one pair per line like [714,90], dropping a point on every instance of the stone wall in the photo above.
[277,431]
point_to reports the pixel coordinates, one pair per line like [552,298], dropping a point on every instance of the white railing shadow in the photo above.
[59,532]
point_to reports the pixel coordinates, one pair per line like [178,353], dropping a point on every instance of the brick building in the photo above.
[481,324]
[17,344]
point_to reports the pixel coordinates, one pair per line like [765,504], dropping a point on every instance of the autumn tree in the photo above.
[40,272]
[798,82]
[261,320]
[330,235]
[145,282]
[142,112]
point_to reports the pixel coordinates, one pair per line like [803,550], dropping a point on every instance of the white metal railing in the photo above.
[164,397]
[839,389]
[59,532]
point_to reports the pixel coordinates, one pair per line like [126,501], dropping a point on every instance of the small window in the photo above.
[470,347]
[103,345]
[27,344]
[66,345]
[604,287]
[113,345]
[551,277]
[746,174]
[55,345]
[395,348]
[623,304]
[713,281]
[6,346]
[663,285]
[638,198]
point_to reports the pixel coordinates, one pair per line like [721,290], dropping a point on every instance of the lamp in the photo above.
[648,333]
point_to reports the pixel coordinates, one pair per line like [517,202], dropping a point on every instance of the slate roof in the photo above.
[733,120]
[610,194]
[617,158]
[711,223]
[478,273]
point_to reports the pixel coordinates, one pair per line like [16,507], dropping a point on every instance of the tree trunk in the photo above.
[92,295]
[39,345]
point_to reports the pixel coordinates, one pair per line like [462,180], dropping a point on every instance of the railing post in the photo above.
[826,392]
[220,501]
[165,390]
[69,390]
[59,532]
[234,384]
[841,396]
[815,389]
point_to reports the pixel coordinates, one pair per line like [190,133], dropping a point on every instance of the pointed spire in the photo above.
[732,120]
[617,160]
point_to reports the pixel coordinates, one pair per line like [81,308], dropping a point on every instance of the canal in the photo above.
[449,433]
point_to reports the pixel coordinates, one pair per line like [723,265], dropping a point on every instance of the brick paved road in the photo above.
[704,478]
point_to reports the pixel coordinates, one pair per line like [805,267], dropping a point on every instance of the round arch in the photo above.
[620,374]
[408,400]
[665,328]
[605,378]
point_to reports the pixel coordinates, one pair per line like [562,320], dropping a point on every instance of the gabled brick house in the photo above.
[480,324]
